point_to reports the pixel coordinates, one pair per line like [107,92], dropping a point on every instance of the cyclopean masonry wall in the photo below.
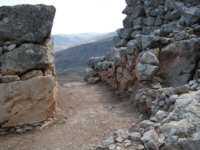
[157,59]
[27,76]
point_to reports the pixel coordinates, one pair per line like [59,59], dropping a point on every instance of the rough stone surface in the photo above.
[32,74]
[26,23]
[173,56]
[9,78]
[145,71]
[149,58]
[151,140]
[183,122]
[27,91]
[18,98]
[25,58]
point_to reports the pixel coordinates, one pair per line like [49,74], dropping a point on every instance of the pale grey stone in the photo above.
[108,141]
[158,21]
[127,143]
[149,58]
[173,98]
[33,27]
[146,124]
[11,47]
[159,116]
[181,36]
[149,21]
[151,140]
[135,136]
[145,71]
[26,57]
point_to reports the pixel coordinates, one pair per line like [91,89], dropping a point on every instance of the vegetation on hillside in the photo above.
[75,59]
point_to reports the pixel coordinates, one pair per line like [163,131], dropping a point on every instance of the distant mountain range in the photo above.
[75,59]
[62,41]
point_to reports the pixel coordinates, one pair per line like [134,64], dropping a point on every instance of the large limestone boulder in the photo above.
[178,61]
[26,23]
[181,126]
[26,102]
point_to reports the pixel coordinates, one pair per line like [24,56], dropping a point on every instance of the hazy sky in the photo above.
[80,16]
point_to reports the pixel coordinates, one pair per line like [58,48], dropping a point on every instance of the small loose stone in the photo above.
[112,147]
[127,143]
[11,47]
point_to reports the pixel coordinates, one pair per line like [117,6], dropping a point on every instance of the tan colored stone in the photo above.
[27,101]
[48,72]
[32,74]
[182,89]
[118,76]
[9,78]
[130,61]
[156,86]
[94,80]
[123,84]
[128,75]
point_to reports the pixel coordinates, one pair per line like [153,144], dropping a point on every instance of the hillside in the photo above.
[75,59]
[64,41]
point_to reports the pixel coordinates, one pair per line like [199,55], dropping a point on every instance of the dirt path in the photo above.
[93,113]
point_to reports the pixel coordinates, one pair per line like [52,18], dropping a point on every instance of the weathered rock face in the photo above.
[27,76]
[25,23]
[25,101]
[24,58]
[157,59]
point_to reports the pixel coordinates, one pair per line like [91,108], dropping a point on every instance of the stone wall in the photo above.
[27,76]
[157,38]
[157,59]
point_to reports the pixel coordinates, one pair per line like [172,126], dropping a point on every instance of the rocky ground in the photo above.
[86,115]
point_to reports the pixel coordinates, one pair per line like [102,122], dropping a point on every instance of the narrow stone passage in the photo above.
[92,113]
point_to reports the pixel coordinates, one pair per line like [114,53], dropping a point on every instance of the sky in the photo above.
[81,16]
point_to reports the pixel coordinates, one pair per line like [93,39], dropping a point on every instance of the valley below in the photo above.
[73,62]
